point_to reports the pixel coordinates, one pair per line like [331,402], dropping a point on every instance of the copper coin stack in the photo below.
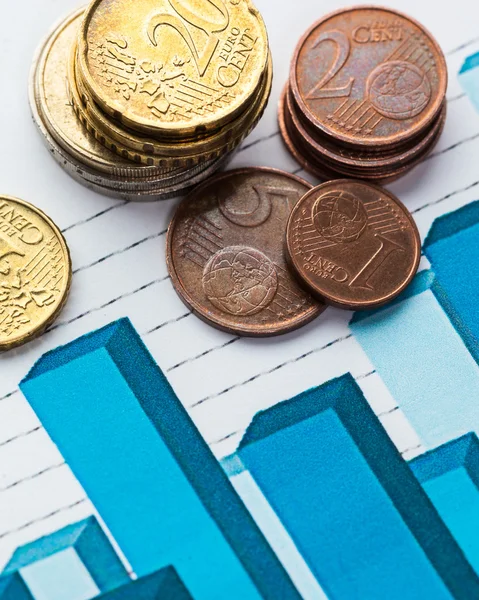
[366,96]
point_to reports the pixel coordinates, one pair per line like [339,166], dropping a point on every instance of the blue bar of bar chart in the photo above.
[152,478]
[450,477]
[469,78]
[77,562]
[350,502]
[453,250]
[418,350]
[163,585]
[12,587]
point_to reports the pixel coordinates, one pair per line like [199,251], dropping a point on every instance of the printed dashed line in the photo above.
[446,197]
[9,395]
[271,371]
[457,97]
[463,46]
[166,323]
[32,477]
[95,216]
[452,147]
[24,434]
[366,375]
[388,412]
[109,303]
[417,447]
[117,252]
[203,354]
[258,141]
[44,518]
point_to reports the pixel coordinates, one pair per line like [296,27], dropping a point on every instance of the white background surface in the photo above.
[118,257]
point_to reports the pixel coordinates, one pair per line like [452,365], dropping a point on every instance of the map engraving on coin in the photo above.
[173,65]
[226,256]
[369,76]
[355,245]
[35,272]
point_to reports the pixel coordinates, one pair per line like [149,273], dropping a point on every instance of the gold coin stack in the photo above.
[156,99]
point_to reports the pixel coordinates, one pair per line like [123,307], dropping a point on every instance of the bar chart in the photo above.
[162,494]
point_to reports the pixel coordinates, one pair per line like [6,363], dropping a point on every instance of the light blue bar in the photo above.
[163,585]
[350,503]
[60,576]
[450,477]
[452,248]
[97,566]
[422,358]
[469,78]
[12,587]
[148,471]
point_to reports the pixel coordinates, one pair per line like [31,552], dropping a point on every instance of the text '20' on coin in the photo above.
[35,272]
[353,244]
[178,67]
[225,253]
[369,76]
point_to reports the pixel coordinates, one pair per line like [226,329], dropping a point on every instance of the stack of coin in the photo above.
[366,96]
[144,104]
[259,252]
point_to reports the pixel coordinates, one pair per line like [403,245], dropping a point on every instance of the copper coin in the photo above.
[369,76]
[360,159]
[295,145]
[226,255]
[353,244]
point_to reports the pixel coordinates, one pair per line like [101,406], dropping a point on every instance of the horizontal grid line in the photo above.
[271,371]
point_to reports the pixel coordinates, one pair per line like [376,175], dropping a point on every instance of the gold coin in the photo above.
[173,67]
[35,272]
[152,152]
[51,96]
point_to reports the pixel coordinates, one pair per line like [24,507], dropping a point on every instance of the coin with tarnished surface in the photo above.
[76,150]
[225,253]
[35,272]
[369,76]
[50,94]
[353,244]
[171,67]
[365,161]
[149,151]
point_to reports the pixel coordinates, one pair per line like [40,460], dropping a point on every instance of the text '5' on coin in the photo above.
[226,257]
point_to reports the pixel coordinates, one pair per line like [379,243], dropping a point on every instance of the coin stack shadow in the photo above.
[378,115]
[95,146]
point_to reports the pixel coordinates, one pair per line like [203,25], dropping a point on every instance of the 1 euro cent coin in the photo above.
[354,245]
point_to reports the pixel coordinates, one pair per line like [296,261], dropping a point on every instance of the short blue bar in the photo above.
[349,501]
[450,477]
[163,585]
[453,250]
[12,587]
[101,565]
[418,347]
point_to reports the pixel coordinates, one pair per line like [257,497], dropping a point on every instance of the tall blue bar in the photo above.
[148,471]
[76,562]
[452,247]
[12,587]
[350,503]
[450,477]
[417,346]
[469,78]
[163,585]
